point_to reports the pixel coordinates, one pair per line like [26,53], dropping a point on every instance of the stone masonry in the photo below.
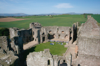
[88,44]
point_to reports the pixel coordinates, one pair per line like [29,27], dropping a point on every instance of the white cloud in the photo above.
[64,5]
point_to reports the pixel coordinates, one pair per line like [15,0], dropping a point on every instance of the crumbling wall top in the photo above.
[90,29]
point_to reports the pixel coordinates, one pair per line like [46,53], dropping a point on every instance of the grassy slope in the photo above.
[55,49]
[60,20]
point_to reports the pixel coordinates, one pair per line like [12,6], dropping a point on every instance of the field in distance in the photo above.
[58,20]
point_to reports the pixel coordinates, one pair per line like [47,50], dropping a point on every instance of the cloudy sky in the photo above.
[49,6]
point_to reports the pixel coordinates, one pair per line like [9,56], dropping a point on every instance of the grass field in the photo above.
[59,20]
[97,17]
[56,49]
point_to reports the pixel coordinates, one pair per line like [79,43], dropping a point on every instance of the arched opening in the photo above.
[64,61]
[43,39]
[79,65]
[51,36]
[33,38]
[63,64]
[49,31]
[48,62]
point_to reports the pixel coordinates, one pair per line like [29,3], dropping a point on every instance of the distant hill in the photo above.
[71,13]
[22,14]
[15,14]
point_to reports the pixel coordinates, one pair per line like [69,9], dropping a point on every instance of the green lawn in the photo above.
[59,20]
[56,49]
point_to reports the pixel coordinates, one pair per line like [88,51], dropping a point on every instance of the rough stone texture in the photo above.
[88,44]
[26,35]
[7,57]
[4,43]
[13,32]
[90,29]
[36,31]
[41,59]
[52,30]
[88,38]
[64,33]
[43,34]
[17,44]
[87,60]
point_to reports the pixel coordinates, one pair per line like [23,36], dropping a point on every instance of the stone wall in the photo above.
[17,44]
[64,33]
[88,44]
[44,58]
[55,32]
[4,43]
[7,57]
[87,60]
[35,26]
[43,35]
[88,38]
[26,35]
[52,30]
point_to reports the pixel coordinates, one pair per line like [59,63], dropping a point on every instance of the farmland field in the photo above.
[58,20]
[97,17]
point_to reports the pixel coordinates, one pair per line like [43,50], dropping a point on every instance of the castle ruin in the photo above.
[83,47]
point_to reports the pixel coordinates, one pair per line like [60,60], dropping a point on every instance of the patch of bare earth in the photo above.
[9,19]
